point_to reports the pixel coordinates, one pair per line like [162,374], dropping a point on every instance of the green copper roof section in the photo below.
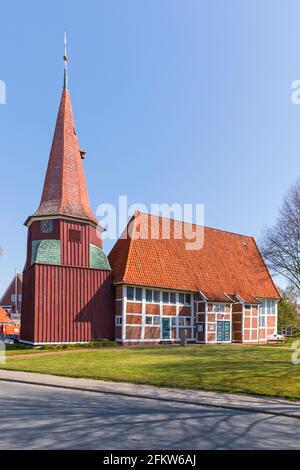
[45,252]
[98,258]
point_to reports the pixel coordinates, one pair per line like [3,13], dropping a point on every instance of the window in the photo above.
[149,295]
[166,297]
[268,307]
[130,293]
[271,307]
[184,299]
[172,298]
[200,327]
[152,296]
[262,314]
[219,307]
[134,293]
[174,321]
[153,320]
[118,320]
[262,318]
[13,298]
[138,293]
[247,307]
[184,322]
[74,235]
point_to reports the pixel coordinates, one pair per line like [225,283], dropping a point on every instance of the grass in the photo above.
[228,368]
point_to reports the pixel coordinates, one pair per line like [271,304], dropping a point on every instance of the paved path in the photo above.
[47,417]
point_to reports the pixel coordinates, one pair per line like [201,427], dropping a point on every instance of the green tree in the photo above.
[288,311]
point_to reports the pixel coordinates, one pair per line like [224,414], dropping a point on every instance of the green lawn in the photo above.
[236,369]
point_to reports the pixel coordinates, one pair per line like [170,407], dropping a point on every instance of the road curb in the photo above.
[200,403]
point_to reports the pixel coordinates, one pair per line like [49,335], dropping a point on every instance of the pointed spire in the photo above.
[65,191]
[66,81]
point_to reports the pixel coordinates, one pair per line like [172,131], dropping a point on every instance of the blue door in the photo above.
[223,331]
[165,328]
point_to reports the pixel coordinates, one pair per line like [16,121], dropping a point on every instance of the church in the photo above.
[146,290]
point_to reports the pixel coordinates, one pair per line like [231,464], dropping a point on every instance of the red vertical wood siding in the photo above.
[28,289]
[66,304]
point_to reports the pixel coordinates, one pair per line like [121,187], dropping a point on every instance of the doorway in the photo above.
[165,328]
[223,331]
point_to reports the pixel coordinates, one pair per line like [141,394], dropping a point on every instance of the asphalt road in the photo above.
[39,417]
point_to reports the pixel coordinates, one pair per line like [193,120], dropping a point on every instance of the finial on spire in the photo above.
[65,61]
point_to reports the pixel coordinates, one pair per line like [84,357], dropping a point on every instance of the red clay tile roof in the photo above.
[4,318]
[65,190]
[228,263]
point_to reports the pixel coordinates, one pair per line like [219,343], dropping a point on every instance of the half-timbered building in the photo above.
[220,293]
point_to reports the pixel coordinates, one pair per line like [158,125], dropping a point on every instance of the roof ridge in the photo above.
[193,224]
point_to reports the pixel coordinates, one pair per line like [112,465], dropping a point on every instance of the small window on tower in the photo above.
[74,235]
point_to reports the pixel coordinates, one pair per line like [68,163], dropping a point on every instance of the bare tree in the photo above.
[281,244]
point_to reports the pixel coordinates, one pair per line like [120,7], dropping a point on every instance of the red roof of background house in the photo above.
[6,298]
[4,318]
[65,190]
[228,263]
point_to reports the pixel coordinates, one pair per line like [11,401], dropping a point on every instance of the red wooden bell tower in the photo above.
[67,278]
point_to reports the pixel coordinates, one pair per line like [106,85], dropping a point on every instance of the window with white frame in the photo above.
[156,296]
[118,320]
[262,317]
[184,299]
[271,307]
[268,306]
[181,321]
[134,293]
[174,321]
[153,320]
[152,296]
[219,308]
[149,295]
[169,297]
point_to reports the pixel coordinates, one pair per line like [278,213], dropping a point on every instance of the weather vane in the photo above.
[65,42]
[65,61]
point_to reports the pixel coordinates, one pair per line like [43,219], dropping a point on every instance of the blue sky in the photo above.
[174,100]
